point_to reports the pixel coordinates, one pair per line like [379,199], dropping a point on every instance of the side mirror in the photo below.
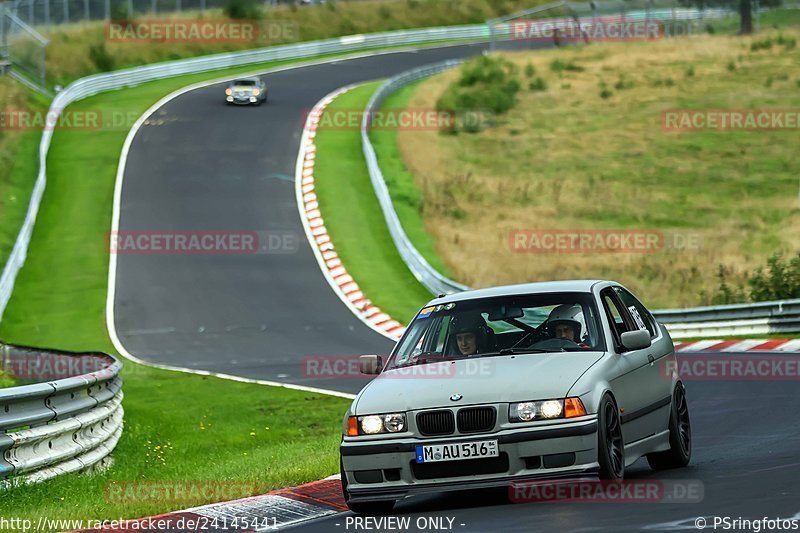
[636,340]
[371,364]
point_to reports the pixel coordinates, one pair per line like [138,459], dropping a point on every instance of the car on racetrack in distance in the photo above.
[488,387]
[246,91]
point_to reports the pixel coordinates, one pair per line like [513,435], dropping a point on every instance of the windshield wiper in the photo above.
[518,351]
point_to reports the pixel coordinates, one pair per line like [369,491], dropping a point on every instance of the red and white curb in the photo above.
[327,257]
[749,345]
[268,512]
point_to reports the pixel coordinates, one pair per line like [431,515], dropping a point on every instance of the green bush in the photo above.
[100,56]
[559,66]
[763,44]
[530,70]
[787,42]
[623,83]
[242,9]
[780,280]
[539,84]
[486,84]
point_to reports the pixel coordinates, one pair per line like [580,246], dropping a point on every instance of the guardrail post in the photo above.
[3,34]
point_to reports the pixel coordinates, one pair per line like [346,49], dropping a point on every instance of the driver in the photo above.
[566,323]
[469,330]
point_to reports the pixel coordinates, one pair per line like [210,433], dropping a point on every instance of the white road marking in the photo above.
[791,346]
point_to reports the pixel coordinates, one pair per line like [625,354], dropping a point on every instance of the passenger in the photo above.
[470,332]
[566,323]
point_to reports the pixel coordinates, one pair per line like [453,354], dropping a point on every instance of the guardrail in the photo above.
[759,318]
[431,278]
[69,421]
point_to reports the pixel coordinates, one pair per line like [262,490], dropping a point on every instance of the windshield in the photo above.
[539,323]
[245,83]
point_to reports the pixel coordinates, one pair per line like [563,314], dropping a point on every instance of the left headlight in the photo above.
[545,410]
[376,424]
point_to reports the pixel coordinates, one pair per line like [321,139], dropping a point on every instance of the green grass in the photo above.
[406,193]
[16,184]
[775,19]
[6,380]
[59,301]
[19,149]
[566,158]
[354,219]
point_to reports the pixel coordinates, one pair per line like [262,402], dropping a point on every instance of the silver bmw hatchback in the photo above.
[491,387]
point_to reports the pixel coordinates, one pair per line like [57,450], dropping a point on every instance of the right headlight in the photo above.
[545,410]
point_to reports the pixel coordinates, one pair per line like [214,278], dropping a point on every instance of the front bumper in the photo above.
[242,100]
[387,470]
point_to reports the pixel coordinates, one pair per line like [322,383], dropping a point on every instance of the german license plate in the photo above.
[434,453]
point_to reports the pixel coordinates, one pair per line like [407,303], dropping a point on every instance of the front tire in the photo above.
[610,444]
[680,435]
[367,508]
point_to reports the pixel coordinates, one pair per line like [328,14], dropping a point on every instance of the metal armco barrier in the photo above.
[432,279]
[741,319]
[69,420]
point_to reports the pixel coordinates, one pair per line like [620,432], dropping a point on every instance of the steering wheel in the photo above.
[556,344]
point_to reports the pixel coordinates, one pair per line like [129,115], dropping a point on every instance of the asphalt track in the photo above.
[199,165]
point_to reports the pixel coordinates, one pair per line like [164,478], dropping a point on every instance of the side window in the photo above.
[619,320]
[640,314]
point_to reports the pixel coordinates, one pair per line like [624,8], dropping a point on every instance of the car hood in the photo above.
[481,380]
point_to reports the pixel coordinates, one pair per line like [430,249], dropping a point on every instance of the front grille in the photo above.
[436,423]
[476,419]
[464,467]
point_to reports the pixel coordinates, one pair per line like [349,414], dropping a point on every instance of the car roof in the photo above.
[575,285]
